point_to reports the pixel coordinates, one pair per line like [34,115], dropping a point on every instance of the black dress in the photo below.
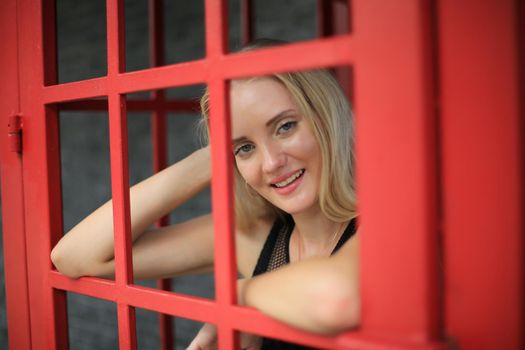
[276,253]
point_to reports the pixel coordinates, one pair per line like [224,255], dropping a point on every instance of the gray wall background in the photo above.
[85,137]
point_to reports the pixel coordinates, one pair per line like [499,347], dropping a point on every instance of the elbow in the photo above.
[64,265]
[338,309]
[338,315]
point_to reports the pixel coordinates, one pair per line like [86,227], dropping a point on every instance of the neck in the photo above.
[314,229]
[313,235]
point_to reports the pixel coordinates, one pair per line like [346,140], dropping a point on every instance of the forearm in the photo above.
[318,295]
[89,245]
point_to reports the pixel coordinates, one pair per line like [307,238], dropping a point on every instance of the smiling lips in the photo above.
[283,184]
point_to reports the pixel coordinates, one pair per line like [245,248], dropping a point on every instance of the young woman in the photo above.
[297,250]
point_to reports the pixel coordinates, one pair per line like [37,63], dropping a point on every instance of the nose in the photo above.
[274,158]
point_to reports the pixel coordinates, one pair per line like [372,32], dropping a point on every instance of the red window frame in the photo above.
[392,50]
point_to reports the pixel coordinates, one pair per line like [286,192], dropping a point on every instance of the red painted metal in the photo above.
[483,171]
[134,105]
[324,18]
[396,141]
[13,226]
[216,22]
[41,176]
[159,141]
[14,133]
[247,21]
[119,171]
[334,18]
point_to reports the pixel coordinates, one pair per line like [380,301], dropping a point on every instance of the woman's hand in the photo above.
[206,339]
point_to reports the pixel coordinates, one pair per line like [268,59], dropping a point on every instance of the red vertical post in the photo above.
[222,199]
[41,176]
[247,21]
[334,18]
[119,171]
[55,186]
[397,155]
[14,239]
[325,18]
[159,139]
[483,170]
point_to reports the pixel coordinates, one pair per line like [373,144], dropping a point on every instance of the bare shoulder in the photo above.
[349,252]
[249,244]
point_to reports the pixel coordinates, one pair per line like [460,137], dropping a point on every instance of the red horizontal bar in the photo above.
[133,105]
[252,321]
[320,53]
[205,310]
[78,90]
[327,52]
[186,306]
[180,74]
[90,286]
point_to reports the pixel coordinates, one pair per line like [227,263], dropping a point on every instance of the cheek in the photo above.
[247,172]
[303,146]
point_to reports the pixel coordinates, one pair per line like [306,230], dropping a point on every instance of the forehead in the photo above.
[254,102]
[249,90]
[259,97]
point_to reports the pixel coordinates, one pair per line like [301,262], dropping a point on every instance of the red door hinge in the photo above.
[14,133]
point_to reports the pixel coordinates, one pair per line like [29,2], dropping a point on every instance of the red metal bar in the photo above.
[121,218]
[180,74]
[222,199]
[333,18]
[79,90]
[299,56]
[482,128]
[342,19]
[325,18]
[252,321]
[159,140]
[116,43]
[200,309]
[55,190]
[41,174]
[14,239]
[396,145]
[326,52]
[119,171]
[247,21]
[50,42]
[133,105]
[204,310]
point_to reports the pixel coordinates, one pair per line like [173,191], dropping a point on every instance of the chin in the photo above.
[302,206]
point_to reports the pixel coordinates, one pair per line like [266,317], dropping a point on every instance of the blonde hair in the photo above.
[325,107]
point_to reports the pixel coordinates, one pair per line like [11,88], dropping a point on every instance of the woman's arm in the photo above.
[88,248]
[319,295]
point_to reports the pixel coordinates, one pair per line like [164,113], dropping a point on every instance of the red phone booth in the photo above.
[438,88]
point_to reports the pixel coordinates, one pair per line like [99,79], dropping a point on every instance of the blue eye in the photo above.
[243,149]
[286,126]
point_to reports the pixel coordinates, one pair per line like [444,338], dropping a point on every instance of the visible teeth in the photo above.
[290,179]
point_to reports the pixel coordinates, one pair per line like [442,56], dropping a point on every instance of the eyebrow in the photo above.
[268,123]
[278,116]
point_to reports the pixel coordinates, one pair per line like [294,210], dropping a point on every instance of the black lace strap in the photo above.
[276,250]
[269,251]
[350,230]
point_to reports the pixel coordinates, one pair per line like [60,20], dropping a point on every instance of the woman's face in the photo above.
[275,149]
